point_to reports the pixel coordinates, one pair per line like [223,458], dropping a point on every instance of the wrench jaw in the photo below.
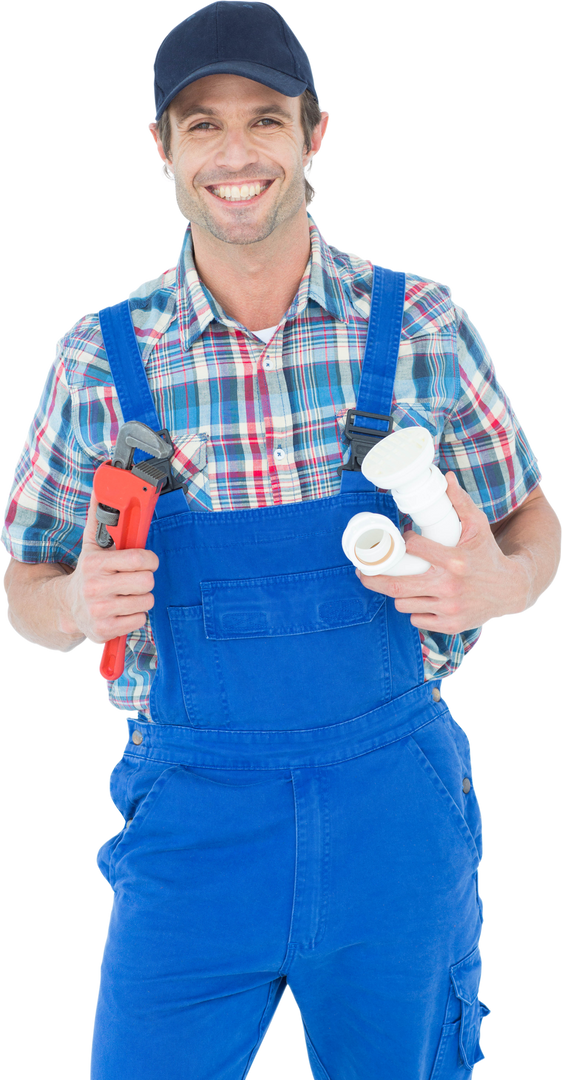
[136,436]
[105,515]
[156,471]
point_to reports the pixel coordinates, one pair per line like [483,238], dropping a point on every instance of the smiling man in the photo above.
[298,803]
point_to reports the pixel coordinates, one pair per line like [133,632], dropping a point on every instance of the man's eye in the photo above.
[202,126]
[205,123]
[267,120]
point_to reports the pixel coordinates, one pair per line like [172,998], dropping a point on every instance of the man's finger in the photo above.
[91,527]
[419,585]
[460,499]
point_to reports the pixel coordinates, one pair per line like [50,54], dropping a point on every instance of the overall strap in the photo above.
[132,387]
[379,362]
[126,365]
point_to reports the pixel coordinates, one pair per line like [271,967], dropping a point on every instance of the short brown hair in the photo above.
[310,118]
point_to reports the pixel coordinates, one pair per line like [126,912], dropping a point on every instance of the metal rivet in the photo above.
[128,823]
[436,693]
[137,738]
[466,785]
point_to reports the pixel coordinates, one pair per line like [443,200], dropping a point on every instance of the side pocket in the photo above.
[134,787]
[459,1045]
[432,748]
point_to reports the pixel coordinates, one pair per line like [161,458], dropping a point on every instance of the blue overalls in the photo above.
[299,808]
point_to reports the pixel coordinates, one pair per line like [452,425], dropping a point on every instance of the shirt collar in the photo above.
[197,307]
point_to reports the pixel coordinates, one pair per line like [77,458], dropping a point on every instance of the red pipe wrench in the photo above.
[127,494]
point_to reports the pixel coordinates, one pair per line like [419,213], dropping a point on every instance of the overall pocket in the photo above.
[445,764]
[459,1045]
[281,652]
[134,786]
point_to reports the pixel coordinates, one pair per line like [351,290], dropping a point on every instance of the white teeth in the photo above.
[235,194]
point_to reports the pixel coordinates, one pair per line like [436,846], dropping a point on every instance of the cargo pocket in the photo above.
[459,1045]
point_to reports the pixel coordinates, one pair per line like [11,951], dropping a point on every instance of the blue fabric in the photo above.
[294,809]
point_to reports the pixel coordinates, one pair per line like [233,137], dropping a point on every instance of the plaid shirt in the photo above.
[255,425]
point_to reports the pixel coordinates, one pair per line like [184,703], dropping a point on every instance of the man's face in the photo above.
[237,154]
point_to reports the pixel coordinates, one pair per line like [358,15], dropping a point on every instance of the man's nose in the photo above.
[236,151]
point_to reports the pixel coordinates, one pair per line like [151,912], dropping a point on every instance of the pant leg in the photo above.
[203,881]
[386,975]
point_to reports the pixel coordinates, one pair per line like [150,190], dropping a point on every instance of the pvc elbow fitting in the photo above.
[402,463]
[375,546]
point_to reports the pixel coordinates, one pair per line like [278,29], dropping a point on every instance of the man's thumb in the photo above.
[91,527]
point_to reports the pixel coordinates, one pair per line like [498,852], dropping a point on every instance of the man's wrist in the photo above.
[523,573]
[66,624]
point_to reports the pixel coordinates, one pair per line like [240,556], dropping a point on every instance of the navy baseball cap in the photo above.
[231,38]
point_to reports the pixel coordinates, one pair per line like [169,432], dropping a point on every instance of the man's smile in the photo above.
[244,191]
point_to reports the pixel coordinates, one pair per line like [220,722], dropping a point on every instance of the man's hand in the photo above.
[490,572]
[110,591]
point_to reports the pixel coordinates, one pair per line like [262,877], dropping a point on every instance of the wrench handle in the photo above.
[113,658]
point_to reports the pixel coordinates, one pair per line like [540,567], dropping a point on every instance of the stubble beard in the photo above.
[241,231]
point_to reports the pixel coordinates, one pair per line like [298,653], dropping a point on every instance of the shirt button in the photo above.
[279,454]
[436,693]
[137,738]
[466,785]
[268,364]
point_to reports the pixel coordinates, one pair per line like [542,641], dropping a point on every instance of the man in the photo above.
[298,803]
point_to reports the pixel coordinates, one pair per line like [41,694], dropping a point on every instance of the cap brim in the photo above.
[276,80]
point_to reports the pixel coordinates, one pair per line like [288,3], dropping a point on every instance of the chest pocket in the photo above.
[283,652]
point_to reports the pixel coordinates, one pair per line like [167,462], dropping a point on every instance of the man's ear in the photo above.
[154,132]
[319,135]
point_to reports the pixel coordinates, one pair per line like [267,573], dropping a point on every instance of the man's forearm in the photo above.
[37,608]
[531,536]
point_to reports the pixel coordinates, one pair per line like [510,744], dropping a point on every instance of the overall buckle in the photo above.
[362,439]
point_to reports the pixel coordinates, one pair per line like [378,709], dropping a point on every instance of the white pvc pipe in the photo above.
[402,463]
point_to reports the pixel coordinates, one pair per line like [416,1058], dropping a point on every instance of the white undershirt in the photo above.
[267,334]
